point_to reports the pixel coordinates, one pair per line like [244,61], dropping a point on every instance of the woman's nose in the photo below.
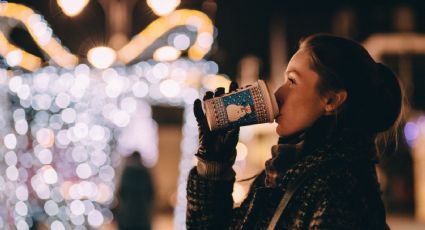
[279,96]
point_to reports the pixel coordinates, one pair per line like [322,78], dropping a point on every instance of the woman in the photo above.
[334,101]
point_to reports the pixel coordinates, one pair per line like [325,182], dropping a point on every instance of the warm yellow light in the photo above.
[163,25]
[101,57]
[166,53]
[211,82]
[72,7]
[163,7]
[41,34]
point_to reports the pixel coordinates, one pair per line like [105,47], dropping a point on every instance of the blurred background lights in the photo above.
[57,225]
[181,41]
[166,53]
[10,141]
[83,171]
[72,7]
[49,174]
[140,89]
[21,208]
[21,127]
[69,115]
[77,207]
[14,58]
[169,88]
[51,208]
[10,158]
[163,7]
[22,193]
[12,173]
[95,218]
[45,137]
[101,57]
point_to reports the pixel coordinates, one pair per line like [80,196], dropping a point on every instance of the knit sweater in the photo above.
[341,193]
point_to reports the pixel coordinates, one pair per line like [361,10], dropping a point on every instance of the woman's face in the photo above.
[299,101]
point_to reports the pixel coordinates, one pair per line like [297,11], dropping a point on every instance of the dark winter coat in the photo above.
[342,193]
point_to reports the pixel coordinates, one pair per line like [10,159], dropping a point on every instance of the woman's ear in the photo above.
[334,100]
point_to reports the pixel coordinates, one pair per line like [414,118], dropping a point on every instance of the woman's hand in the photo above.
[218,145]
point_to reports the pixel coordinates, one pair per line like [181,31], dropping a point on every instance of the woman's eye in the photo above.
[291,81]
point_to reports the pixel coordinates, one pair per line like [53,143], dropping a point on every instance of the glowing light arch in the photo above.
[162,25]
[46,42]
[61,56]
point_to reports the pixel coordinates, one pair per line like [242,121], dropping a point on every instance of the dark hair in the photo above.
[374,99]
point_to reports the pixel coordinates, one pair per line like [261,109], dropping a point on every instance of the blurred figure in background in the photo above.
[135,196]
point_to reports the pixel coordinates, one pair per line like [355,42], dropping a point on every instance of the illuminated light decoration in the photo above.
[72,7]
[80,118]
[101,57]
[163,7]
[41,33]
[162,25]
[166,53]
[76,117]
[27,61]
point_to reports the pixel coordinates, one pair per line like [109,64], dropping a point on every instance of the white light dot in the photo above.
[21,208]
[12,173]
[51,208]
[82,69]
[24,92]
[49,175]
[22,193]
[114,88]
[62,100]
[181,41]
[95,218]
[14,58]
[62,137]
[21,127]
[101,57]
[81,130]
[107,173]
[83,171]
[45,137]
[45,156]
[160,70]
[10,141]
[57,225]
[78,220]
[169,88]
[121,118]
[22,225]
[10,158]
[69,115]
[98,158]
[43,191]
[19,114]
[15,83]
[79,154]
[140,89]
[77,207]
[97,133]
[82,81]
[128,104]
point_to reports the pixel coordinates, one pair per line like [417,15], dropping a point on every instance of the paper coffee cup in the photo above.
[253,104]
